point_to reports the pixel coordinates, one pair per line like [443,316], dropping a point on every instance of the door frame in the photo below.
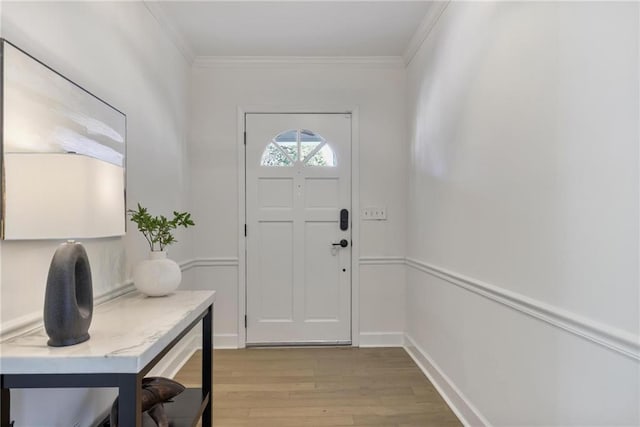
[355,207]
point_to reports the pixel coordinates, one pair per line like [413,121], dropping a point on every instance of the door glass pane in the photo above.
[307,135]
[274,156]
[292,146]
[308,142]
[306,148]
[323,157]
[288,141]
[288,136]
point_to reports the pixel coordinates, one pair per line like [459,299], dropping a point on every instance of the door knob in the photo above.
[342,243]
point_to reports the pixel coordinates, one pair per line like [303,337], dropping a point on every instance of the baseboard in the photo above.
[182,352]
[178,356]
[457,401]
[381,339]
[225,341]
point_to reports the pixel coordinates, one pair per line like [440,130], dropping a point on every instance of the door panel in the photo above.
[321,192]
[276,193]
[276,270]
[322,278]
[298,179]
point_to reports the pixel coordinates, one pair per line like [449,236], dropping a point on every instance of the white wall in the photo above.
[522,200]
[378,91]
[523,211]
[119,52]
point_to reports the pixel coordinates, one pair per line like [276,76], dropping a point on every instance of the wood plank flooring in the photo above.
[337,386]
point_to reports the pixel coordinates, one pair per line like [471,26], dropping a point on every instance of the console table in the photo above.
[129,335]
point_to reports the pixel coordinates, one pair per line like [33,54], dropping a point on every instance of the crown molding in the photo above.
[178,39]
[424,29]
[279,61]
[435,11]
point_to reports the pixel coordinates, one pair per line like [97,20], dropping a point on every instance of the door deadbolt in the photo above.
[344,219]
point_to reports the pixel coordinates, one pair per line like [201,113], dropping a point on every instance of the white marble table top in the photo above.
[126,334]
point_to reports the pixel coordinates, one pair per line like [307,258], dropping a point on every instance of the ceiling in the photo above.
[291,28]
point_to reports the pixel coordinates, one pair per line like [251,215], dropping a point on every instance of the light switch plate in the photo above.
[374,213]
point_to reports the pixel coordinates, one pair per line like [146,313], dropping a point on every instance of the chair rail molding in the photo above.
[31,321]
[382,260]
[614,339]
[607,336]
[209,262]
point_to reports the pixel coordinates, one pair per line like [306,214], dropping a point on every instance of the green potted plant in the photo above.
[159,275]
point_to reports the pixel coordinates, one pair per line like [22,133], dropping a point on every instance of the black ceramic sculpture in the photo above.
[68,302]
[156,391]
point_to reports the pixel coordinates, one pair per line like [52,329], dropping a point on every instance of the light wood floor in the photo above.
[342,386]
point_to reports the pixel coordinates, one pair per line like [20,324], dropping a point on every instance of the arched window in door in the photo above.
[298,145]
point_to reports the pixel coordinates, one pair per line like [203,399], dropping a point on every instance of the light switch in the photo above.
[374,213]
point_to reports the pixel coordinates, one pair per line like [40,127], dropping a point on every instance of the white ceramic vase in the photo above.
[157,276]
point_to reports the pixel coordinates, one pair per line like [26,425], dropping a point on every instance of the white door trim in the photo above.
[355,208]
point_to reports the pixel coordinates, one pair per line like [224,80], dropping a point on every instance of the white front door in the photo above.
[298,185]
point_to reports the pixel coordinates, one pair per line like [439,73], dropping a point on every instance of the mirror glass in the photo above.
[63,155]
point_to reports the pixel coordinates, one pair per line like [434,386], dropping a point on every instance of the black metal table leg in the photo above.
[5,405]
[207,372]
[129,402]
